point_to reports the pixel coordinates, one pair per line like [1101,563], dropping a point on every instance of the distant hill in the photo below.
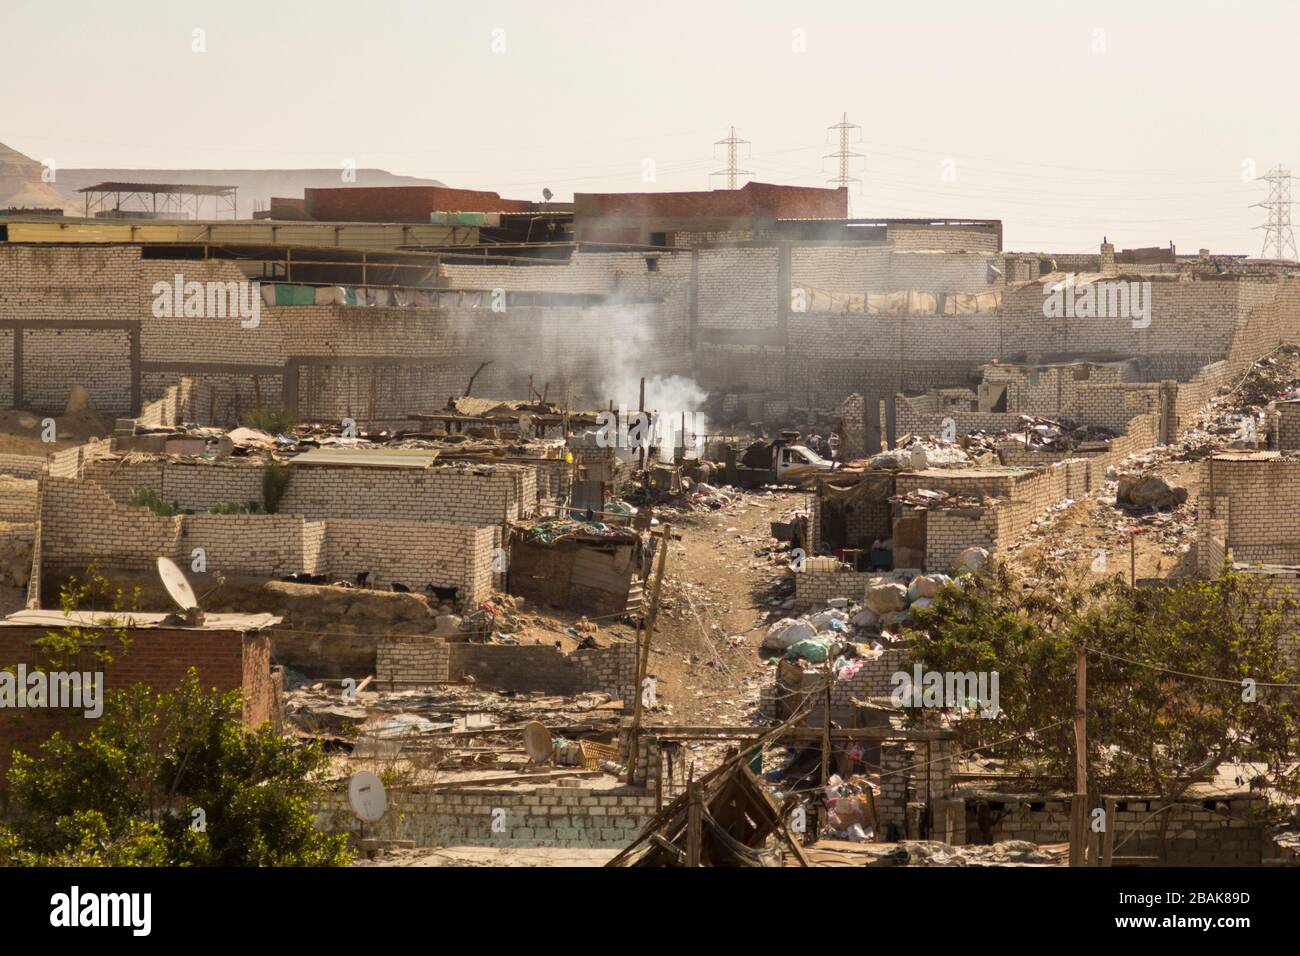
[253,184]
[21,183]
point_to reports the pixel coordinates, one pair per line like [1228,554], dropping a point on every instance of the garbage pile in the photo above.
[1273,377]
[551,530]
[703,496]
[918,454]
[849,634]
[1048,434]
[852,808]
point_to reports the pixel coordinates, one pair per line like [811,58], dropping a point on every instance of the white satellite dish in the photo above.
[366,796]
[537,742]
[174,580]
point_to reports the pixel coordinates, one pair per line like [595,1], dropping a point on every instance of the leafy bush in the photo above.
[170,779]
[1178,676]
[277,421]
[275,479]
[148,498]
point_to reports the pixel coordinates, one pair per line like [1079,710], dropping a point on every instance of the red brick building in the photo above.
[229,652]
[656,218]
[401,203]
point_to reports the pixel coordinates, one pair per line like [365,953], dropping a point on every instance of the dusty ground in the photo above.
[20,432]
[493,856]
[705,651]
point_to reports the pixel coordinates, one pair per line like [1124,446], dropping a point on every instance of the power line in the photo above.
[731,172]
[1277,231]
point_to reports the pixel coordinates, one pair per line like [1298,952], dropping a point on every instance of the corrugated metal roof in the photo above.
[364,235]
[368,457]
[212,622]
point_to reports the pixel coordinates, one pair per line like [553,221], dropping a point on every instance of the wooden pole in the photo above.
[643,663]
[1079,806]
[826,753]
[694,824]
[1108,836]
[1132,559]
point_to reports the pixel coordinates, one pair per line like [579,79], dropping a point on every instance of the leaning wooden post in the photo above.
[643,663]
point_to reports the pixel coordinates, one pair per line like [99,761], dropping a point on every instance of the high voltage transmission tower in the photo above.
[1277,231]
[731,172]
[844,154]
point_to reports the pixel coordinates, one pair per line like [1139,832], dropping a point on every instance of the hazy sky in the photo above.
[1139,119]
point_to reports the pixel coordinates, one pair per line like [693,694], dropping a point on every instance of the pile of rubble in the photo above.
[917,454]
[927,498]
[934,853]
[1048,434]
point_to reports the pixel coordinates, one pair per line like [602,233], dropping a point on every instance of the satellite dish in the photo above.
[547,194]
[173,579]
[537,742]
[366,796]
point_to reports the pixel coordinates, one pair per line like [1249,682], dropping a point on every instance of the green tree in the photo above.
[1177,684]
[169,779]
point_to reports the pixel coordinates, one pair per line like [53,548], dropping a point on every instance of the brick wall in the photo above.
[541,816]
[1219,832]
[511,667]
[468,493]
[79,521]
[157,657]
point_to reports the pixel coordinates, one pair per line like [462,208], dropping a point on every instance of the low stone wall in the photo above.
[873,679]
[823,579]
[80,521]
[511,667]
[543,816]
[22,466]
[18,497]
[1218,832]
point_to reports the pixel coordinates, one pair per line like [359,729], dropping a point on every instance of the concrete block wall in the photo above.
[1211,532]
[823,579]
[113,287]
[1263,498]
[949,531]
[471,494]
[917,236]
[737,287]
[576,817]
[18,498]
[22,466]
[1286,417]
[512,667]
[874,679]
[1220,832]
[414,554]
[79,521]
